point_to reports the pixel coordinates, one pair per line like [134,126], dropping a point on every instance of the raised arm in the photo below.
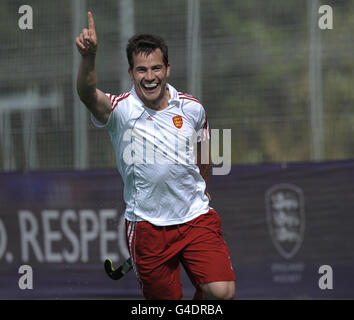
[94,99]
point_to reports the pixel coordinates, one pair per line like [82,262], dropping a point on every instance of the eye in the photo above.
[140,70]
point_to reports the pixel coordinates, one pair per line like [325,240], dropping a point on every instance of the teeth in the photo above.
[150,85]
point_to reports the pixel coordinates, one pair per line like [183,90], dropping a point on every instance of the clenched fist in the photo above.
[87,41]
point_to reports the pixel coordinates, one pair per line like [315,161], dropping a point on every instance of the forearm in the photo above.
[87,79]
[204,161]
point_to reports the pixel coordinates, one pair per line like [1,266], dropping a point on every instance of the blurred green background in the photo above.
[262,68]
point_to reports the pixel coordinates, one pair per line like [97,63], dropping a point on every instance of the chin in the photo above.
[152,99]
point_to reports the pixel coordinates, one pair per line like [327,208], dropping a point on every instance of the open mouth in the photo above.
[150,87]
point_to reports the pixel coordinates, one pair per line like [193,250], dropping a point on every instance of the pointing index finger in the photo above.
[91,24]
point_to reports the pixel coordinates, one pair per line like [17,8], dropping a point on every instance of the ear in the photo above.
[130,74]
[168,70]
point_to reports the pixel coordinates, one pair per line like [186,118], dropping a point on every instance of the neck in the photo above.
[161,103]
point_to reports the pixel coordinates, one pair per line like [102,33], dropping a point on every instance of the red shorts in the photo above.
[158,251]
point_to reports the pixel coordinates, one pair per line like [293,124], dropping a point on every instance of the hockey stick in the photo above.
[116,274]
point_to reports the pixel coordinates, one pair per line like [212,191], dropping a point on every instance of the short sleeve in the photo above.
[202,128]
[110,122]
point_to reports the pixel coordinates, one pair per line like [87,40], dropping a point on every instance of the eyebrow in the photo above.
[152,67]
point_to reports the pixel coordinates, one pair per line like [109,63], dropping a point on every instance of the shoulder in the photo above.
[191,106]
[188,98]
[115,99]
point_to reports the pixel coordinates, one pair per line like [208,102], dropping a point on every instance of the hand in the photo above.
[87,41]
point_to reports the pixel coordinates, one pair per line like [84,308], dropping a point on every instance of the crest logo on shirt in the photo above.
[178,121]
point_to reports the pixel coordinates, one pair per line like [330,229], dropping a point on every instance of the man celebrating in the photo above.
[168,218]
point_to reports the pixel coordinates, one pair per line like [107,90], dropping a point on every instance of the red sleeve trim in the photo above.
[116,99]
[188,97]
[206,121]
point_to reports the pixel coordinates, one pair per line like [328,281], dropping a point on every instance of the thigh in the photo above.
[206,258]
[163,282]
[155,263]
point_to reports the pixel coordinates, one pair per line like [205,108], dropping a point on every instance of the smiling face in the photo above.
[149,75]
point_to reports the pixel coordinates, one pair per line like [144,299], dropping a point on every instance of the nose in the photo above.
[149,75]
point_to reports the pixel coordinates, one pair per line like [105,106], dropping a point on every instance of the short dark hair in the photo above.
[145,43]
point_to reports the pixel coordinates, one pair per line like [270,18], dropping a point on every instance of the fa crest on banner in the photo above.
[286,218]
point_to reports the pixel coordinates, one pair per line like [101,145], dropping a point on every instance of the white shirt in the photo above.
[155,157]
